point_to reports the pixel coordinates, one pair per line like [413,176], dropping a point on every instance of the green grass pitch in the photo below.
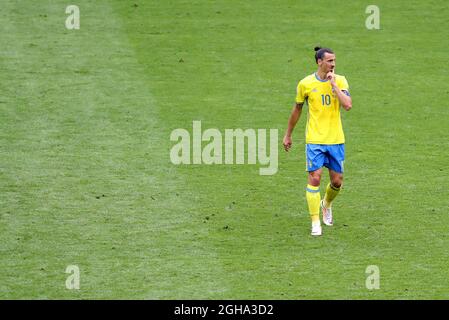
[85,171]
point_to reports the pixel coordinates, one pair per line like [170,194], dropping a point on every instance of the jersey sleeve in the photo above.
[300,92]
[343,85]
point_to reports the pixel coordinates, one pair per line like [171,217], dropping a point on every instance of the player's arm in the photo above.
[292,120]
[342,95]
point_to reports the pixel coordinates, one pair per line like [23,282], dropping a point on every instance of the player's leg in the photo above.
[313,195]
[313,199]
[335,165]
[333,187]
[315,160]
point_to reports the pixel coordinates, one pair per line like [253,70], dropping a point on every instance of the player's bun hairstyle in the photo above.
[319,52]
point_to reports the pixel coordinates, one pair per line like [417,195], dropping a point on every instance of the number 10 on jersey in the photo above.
[326,99]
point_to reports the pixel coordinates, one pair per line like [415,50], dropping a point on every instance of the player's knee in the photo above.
[337,183]
[315,179]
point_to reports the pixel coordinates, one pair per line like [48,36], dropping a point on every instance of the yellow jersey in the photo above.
[323,119]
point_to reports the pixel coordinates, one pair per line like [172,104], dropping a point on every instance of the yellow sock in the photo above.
[331,193]
[313,200]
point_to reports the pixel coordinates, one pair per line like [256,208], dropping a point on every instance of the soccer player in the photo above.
[325,92]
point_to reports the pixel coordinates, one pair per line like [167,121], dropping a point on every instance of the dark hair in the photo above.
[319,52]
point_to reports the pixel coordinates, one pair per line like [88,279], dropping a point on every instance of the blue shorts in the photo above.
[331,156]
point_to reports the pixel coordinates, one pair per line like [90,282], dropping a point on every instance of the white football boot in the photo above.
[316,229]
[327,214]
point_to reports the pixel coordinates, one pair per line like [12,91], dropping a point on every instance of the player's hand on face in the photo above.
[331,76]
[287,142]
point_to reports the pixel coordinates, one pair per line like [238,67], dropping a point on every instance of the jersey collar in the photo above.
[318,78]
